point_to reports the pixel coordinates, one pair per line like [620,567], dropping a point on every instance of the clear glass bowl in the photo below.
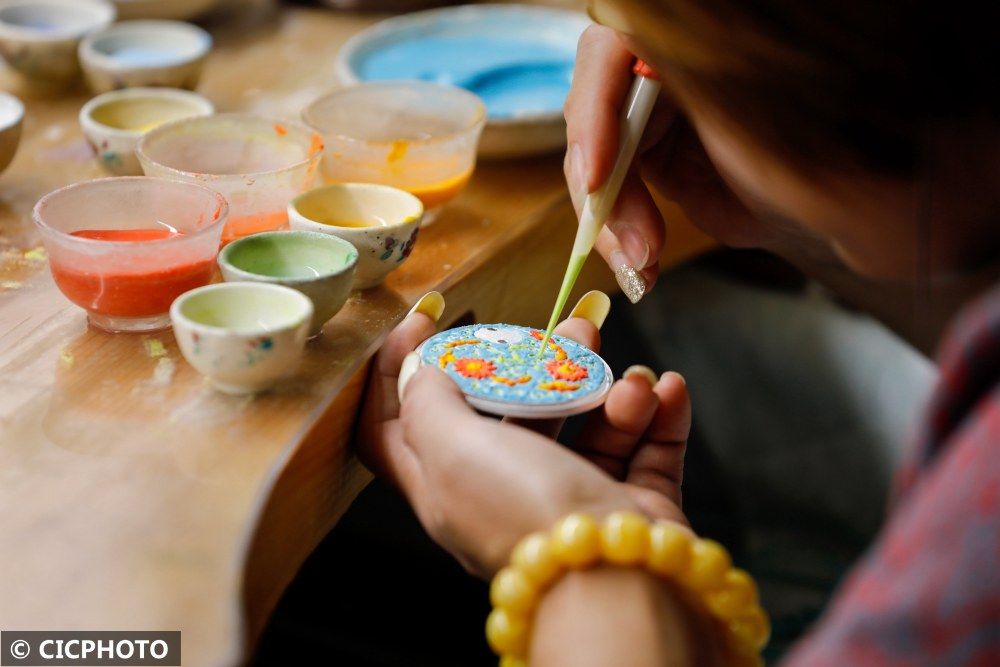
[258,164]
[124,248]
[417,136]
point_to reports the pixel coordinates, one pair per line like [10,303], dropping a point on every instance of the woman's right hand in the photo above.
[671,160]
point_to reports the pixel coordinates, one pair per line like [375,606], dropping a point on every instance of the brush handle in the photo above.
[597,206]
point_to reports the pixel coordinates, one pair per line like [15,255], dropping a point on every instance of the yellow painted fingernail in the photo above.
[411,364]
[645,372]
[676,375]
[593,306]
[431,305]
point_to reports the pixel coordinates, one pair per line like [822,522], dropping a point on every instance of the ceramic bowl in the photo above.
[114,122]
[163,9]
[518,58]
[124,248]
[243,337]
[11,119]
[144,53]
[259,164]
[320,266]
[39,38]
[417,136]
[380,221]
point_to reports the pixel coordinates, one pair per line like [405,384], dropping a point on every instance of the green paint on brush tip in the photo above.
[576,263]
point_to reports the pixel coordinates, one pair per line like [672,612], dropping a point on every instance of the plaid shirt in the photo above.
[928,590]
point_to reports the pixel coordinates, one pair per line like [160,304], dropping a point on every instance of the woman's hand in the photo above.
[479,485]
[671,160]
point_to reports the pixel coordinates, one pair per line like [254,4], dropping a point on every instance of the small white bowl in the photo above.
[382,222]
[114,122]
[39,38]
[11,119]
[321,266]
[179,10]
[243,337]
[145,53]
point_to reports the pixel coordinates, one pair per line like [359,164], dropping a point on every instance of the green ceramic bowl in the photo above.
[320,266]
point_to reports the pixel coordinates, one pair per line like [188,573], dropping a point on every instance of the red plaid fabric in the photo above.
[928,590]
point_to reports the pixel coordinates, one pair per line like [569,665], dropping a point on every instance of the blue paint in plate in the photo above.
[518,59]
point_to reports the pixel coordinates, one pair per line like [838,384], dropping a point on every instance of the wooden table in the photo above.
[134,497]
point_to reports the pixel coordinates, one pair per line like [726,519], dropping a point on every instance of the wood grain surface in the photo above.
[132,496]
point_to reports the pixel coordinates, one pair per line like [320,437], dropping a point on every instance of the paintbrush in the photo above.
[598,204]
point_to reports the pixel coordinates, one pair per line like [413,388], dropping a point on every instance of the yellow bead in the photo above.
[737,596]
[512,590]
[533,557]
[709,563]
[753,628]
[576,541]
[625,538]
[669,549]
[507,633]
[511,661]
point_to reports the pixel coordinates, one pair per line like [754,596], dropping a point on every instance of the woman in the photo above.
[853,132]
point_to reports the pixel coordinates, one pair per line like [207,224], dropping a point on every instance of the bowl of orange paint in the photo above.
[417,136]
[259,164]
[124,248]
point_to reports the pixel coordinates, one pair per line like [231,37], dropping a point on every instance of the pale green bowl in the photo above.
[320,266]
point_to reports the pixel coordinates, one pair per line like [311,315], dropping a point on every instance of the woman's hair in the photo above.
[837,83]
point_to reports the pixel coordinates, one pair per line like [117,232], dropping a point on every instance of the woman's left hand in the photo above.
[479,485]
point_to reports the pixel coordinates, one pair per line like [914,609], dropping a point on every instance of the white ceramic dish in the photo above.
[11,119]
[144,53]
[321,266]
[243,337]
[39,38]
[527,133]
[179,10]
[382,222]
[114,122]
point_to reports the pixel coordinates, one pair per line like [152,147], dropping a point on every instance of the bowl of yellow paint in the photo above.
[114,122]
[380,221]
[417,136]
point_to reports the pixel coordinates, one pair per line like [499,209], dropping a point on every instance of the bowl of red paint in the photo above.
[124,248]
[259,164]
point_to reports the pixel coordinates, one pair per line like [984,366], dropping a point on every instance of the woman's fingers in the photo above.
[380,446]
[613,432]
[658,461]
[601,80]
[633,238]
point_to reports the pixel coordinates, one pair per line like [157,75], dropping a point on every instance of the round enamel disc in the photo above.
[499,370]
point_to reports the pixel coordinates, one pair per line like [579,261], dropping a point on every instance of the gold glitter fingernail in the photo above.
[632,284]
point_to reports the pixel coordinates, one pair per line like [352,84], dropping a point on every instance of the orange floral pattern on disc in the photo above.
[565,370]
[477,369]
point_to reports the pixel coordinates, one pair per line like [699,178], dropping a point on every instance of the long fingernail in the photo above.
[635,247]
[676,375]
[430,304]
[593,306]
[411,363]
[578,172]
[644,372]
[632,284]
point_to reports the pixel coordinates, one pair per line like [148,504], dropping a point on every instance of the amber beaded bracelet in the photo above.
[701,567]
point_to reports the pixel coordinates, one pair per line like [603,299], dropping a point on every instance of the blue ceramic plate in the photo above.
[517,58]
[499,370]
